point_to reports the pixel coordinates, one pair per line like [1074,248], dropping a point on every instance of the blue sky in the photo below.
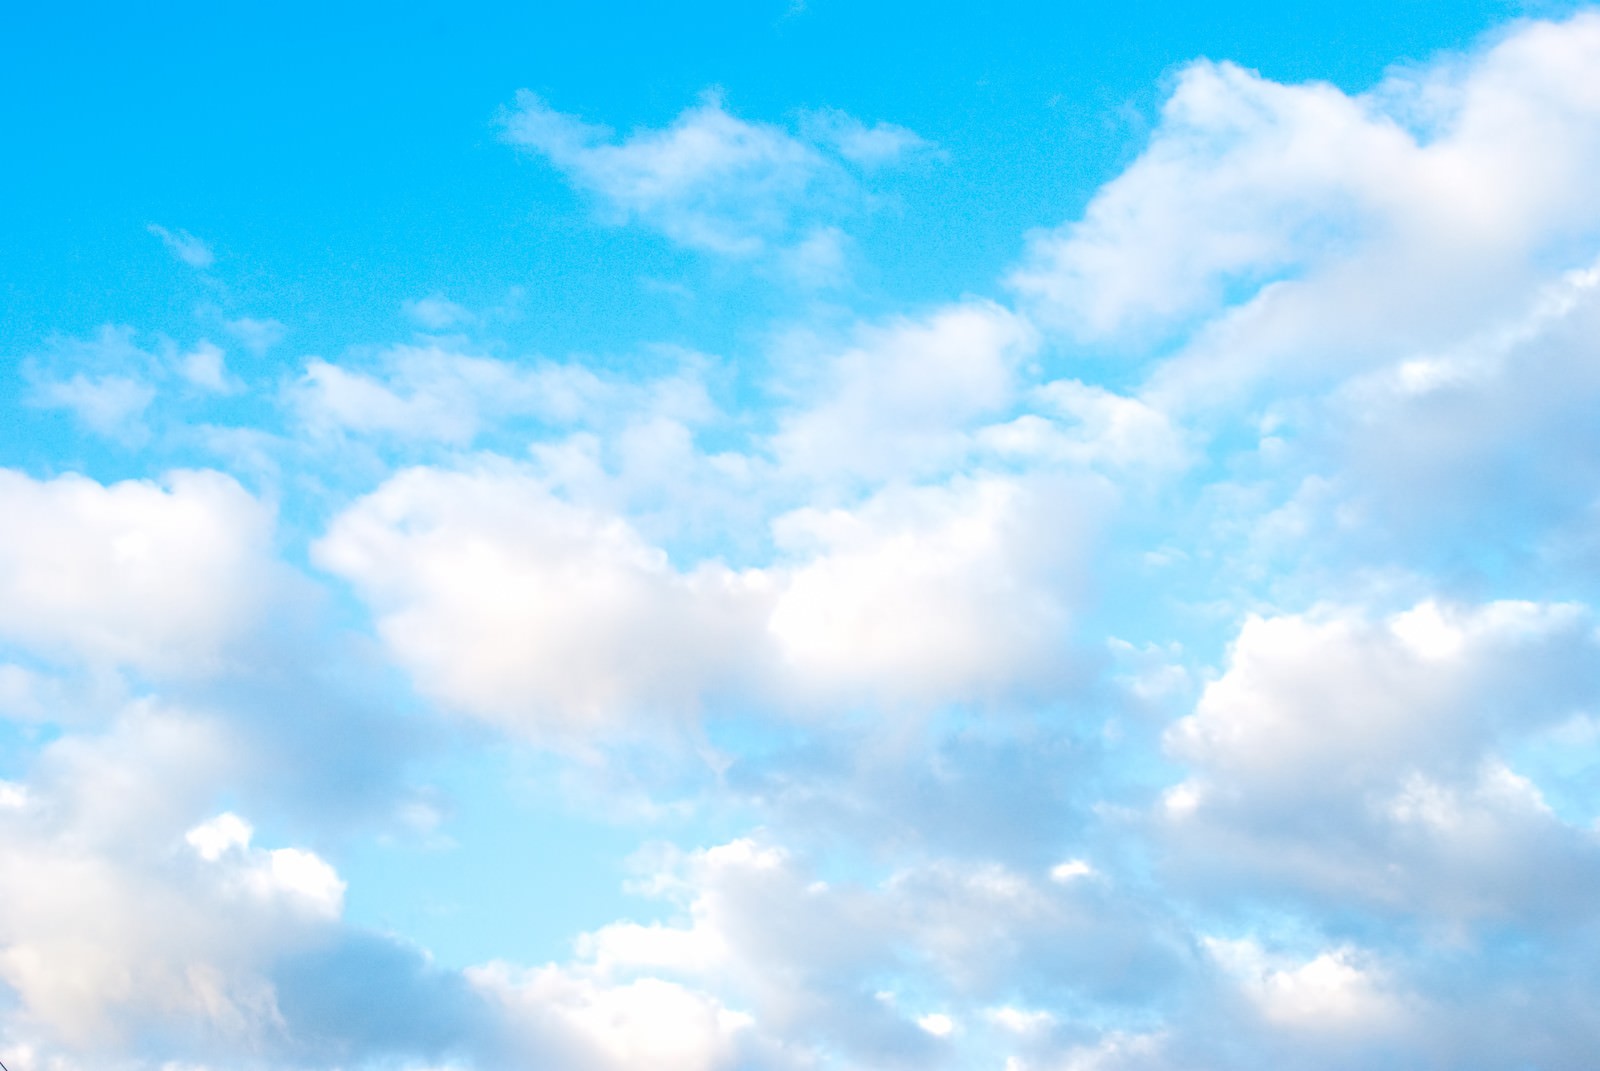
[783,537]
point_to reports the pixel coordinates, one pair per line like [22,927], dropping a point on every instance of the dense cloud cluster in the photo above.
[1236,711]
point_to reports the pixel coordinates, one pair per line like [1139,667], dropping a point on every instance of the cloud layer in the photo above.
[1181,657]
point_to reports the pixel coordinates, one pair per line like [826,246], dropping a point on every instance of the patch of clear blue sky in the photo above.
[514,872]
[344,158]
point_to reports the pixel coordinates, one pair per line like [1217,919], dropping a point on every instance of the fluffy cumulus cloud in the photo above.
[572,619]
[160,577]
[937,594]
[941,576]
[1366,761]
[1400,216]
[569,618]
[1488,424]
[900,400]
[584,1023]
[876,973]
[1182,657]
[119,920]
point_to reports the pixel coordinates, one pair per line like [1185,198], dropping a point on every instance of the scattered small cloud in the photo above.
[185,246]
[878,145]
[438,313]
[109,405]
[718,183]
[820,259]
[257,336]
[205,366]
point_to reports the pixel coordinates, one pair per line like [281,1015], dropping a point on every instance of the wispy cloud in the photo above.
[256,335]
[110,404]
[438,313]
[185,246]
[711,180]
[877,145]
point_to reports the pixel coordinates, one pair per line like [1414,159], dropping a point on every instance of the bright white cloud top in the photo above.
[1175,648]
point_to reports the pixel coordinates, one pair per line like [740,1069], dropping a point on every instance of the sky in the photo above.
[791,536]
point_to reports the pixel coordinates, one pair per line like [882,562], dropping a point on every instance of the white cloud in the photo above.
[898,401]
[819,259]
[432,393]
[1494,424]
[516,606]
[111,405]
[215,838]
[206,367]
[808,958]
[710,180]
[510,603]
[331,397]
[107,934]
[1226,188]
[869,146]
[1338,695]
[617,1027]
[297,877]
[1116,1050]
[1359,761]
[935,594]
[1020,1020]
[1072,870]
[1371,379]
[1352,225]
[256,335]
[185,246]
[438,313]
[110,384]
[1337,992]
[796,953]
[103,380]
[1093,427]
[163,578]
